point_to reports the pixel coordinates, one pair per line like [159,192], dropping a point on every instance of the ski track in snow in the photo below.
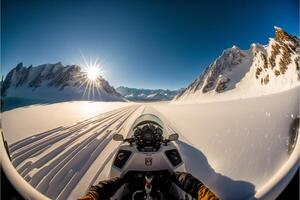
[55,161]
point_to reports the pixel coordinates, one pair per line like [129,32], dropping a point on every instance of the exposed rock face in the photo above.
[282,53]
[266,63]
[218,75]
[57,78]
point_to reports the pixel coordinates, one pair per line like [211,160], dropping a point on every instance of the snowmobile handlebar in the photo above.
[129,140]
[147,140]
[162,142]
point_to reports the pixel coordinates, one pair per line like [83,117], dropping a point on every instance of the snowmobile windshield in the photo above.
[148,119]
[148,133]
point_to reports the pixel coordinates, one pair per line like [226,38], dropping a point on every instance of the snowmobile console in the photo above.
[148,136]
[156,184]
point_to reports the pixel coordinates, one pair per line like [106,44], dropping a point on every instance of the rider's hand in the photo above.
[170,176]
[128,177]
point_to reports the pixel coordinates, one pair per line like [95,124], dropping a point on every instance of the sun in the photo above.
[92,70]
[93,73]
[91,78]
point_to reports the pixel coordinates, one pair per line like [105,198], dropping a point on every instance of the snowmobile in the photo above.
[148,155]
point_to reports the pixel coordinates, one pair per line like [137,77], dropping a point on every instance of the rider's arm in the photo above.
[104,189]
[192,186]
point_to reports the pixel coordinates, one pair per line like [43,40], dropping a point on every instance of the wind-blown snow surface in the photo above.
[27,121]
[234,147]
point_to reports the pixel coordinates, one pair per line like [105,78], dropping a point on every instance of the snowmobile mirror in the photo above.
[118,137]
[173,137]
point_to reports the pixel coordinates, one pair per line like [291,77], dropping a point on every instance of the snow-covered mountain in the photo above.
[259,70]
[135,94]
[54,83]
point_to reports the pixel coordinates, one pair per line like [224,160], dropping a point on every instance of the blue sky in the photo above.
[144,44]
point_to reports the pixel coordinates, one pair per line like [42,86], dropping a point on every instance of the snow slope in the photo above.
[258,71]
[237,148]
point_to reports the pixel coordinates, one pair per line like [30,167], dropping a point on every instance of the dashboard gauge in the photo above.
[151,127]
[145,128]
[137,132]
[159,131]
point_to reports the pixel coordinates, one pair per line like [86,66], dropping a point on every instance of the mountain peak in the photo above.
[282,36]
[277,28]
[19,66]
[59,64]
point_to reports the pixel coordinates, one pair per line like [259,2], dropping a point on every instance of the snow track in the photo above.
[57,161]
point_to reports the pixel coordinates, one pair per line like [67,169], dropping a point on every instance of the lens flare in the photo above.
[93,73]
[91,78]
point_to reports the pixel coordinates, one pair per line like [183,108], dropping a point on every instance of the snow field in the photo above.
[55,161]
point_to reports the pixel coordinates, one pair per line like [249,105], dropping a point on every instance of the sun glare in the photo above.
[92,70]
[91,79]
[93,73]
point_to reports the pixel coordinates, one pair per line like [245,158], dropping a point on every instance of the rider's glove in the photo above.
[128,177]
[186,182]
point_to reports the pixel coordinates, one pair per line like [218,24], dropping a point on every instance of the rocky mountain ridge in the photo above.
[136,94]
[265,67]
